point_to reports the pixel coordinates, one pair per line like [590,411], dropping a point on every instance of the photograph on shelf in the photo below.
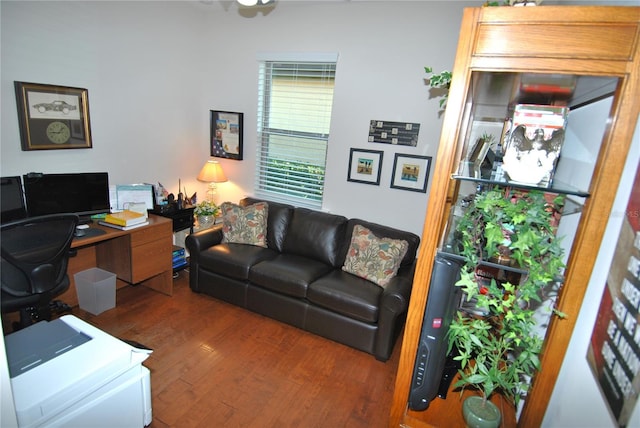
[365,166]
[53,117]
[534,143]
[226,134]
[410,172]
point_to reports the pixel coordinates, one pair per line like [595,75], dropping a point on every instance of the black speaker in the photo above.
[432,371]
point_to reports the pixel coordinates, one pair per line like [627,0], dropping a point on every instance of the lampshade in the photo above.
[252,2]
[212,172]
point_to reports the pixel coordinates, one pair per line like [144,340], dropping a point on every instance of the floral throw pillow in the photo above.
[245,225]
[372,258]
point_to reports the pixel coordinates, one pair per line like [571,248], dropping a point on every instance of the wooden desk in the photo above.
[137,256]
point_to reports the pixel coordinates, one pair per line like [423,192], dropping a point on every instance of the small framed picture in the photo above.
[365,166]
[411,172]
[53,117]
[226,134]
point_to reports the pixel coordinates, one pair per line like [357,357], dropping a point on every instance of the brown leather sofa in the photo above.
[298,279]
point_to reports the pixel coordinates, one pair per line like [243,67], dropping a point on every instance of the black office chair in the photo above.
[35,254]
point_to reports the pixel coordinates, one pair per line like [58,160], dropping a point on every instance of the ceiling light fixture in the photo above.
[253,2]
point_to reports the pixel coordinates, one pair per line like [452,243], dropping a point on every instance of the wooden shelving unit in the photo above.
[600,47]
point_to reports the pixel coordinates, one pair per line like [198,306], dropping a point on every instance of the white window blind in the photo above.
[294,115]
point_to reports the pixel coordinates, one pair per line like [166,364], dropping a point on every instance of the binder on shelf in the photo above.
[126,218]
[115,226]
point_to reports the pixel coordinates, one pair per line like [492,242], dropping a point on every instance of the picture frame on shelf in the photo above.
[226,134]
[53,117]
[410,172]
[365,166]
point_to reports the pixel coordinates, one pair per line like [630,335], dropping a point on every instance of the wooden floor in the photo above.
[216,365]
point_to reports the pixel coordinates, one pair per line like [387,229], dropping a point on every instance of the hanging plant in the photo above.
[441,82]
[499,349]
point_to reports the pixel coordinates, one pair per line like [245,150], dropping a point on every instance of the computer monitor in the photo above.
[11,199]
[84,194]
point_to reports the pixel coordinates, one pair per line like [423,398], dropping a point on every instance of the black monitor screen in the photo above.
[12,202]
[84,194]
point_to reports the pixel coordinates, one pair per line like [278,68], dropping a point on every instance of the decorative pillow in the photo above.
[245,225]
[372,258]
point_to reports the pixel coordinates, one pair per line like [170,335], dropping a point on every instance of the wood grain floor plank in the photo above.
[217,365]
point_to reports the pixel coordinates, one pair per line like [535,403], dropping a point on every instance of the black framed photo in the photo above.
[53,117]
[226,134]
[411,172]
[365,166]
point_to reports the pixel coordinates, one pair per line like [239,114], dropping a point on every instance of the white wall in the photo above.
[153,71]
[576,400]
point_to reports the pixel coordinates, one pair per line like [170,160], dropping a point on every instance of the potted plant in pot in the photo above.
[497,344]
[206,212]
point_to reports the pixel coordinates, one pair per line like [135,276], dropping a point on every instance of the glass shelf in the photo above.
[448,253]
[555,187]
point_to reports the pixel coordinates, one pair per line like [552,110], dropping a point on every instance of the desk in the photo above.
[138,256]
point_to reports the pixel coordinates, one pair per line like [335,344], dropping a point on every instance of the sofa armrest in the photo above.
[196,243]
[393,312]
[203,239]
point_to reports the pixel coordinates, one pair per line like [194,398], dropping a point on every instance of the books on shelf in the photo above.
[126,218]
[179,257]
[116,226]
[545,117]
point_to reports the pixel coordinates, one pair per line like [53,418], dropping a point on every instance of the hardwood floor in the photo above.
[216,365]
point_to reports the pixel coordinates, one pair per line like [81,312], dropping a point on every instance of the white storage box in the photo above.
[96,289]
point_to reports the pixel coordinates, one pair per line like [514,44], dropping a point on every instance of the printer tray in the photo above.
[39,343]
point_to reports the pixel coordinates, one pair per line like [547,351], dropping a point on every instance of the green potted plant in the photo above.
[440,83]
[497,345]
[206,212]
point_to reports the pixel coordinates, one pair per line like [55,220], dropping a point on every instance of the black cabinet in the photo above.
[182,219]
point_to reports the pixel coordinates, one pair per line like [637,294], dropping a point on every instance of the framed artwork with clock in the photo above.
[53,117]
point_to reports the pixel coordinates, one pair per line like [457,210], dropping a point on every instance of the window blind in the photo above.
[294,116]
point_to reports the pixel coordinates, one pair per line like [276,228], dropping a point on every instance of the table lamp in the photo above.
[212,173]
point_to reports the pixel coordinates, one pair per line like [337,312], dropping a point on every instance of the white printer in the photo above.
[68,373]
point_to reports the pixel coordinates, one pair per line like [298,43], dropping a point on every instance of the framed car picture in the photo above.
[226,134]
[53,117]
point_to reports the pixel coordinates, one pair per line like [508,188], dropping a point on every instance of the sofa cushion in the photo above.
[346,294]
[383,231]
[288,274]
[373,258]
[233,260]
[316,235]
[277,221]
[245,225]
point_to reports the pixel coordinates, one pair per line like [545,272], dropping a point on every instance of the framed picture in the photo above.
[400,133]
[226,134]
[411,172]
[53,117]
[365,166]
